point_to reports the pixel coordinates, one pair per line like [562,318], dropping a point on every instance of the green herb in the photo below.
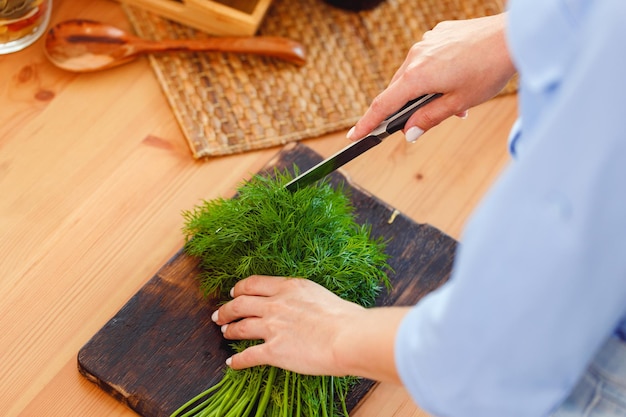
[267,230]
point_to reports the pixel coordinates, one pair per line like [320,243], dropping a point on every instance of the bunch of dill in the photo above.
[268,230]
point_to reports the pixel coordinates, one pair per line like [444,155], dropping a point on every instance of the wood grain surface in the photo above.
[94,175]
[162,349]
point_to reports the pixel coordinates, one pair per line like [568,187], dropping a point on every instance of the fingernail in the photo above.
[350,132]
[229,361]
[464,114]
[413,134]
[215,315]
[232,292]
[223,328]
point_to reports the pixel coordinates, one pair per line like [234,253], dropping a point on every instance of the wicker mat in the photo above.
[227,103]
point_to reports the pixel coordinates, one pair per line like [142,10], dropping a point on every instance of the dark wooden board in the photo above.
[161,348]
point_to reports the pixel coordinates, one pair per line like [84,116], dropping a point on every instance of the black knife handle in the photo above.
[398,119]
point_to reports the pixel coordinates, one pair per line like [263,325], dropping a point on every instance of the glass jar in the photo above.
[22,22]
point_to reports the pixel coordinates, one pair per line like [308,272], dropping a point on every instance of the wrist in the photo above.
[365,341]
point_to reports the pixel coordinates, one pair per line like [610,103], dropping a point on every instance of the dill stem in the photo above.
[292,394]
[222,398]
[216,400]
[343,392]
[266,393]
[286,394]
[298,390]
[274,409]
[237,410]
[332,395]
[231,396]
[198,407]
[197,398]
[253,395]
[323,396]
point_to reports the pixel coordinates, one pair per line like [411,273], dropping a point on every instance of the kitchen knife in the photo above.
[390,125]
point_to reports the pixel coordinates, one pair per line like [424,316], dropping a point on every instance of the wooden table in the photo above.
[94,174]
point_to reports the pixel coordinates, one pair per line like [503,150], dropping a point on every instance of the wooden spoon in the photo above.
[86,45]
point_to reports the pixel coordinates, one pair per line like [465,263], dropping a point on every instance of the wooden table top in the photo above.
[94,175]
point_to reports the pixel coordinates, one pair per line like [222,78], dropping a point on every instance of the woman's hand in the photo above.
[308,329]
[297,318]
[465,60]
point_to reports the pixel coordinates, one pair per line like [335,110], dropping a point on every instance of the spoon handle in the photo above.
[277,47]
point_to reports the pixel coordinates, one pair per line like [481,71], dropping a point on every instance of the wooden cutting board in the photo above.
[162,348]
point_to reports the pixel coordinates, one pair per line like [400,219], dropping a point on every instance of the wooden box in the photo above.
[223,17]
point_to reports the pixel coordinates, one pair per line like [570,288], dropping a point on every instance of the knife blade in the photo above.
[390,125]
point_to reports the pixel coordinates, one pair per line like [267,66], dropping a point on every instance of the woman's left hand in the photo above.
[308,329]
[297,318]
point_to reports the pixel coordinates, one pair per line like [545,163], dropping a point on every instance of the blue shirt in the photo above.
[539,281]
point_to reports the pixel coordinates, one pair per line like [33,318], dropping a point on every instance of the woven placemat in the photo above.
[227,103]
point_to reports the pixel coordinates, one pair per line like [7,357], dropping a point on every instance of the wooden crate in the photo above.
[225,17]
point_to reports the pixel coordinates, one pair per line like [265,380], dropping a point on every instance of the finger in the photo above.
[463,115]
[401,70]
[259,285]
[246,329]
[428,117]
[414,55]
[385,104]
[252,356]
[239,308]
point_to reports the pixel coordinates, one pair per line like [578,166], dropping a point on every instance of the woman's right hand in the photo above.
[465,60]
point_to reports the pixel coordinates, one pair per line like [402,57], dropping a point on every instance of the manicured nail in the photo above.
[413,134]
[229,361]
[463,115]
[350,132]
[215,315]
[232,292]
[223,328]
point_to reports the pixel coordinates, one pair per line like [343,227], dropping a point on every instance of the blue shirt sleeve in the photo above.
[539,281]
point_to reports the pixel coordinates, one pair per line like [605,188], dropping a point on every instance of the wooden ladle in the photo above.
[86,45]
